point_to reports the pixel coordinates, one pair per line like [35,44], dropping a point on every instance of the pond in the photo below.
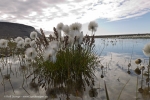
[115,56]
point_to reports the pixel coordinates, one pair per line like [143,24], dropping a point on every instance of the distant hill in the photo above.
[12,30]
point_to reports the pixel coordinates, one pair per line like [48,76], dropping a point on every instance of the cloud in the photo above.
[48,13]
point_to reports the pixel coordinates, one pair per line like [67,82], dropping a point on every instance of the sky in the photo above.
[112,16]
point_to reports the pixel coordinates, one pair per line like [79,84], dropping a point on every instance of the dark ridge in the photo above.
[13,30]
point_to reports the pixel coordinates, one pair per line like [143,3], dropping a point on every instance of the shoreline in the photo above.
[125,36]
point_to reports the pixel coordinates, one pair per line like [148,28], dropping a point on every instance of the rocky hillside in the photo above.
[8,30]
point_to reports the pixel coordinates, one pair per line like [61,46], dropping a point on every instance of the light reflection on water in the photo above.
[115,55]
[122,45]
[122,51]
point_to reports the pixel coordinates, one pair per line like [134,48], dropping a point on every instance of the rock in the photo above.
[13,30]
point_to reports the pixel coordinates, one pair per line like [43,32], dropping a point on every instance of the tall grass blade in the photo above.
[122,90]
[137,89]
[106,91]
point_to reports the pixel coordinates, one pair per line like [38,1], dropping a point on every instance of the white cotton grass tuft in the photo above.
[75,26]
[53,45]
[72,33]
[27,41]
[80,38]
[146,50]
[31,53]
[49,55]
[20,44]
[18,39]
[60,26]
[78,35]
[92,26]
[66,29]
[3,43]
[33,44]
[33,35]
[70,41]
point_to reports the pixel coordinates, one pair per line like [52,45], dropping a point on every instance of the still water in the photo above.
[115,55]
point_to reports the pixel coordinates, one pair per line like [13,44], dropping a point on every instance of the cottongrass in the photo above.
[50,55]
[18,39]
[20,44]
[33,44]
[3,43]
[58,62]
[70,41]
[75,26]
[92,26]
[27,41]
[66,29]
[53,45]
[31,53]
[33,35]
[146,50]
[60,26]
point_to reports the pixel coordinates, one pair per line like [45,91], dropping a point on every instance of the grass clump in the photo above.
[74,65]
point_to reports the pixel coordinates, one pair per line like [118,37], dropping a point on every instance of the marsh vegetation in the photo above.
[69,65]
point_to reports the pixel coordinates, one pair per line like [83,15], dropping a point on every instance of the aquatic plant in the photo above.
[146,51]
[59,60]
[73,64]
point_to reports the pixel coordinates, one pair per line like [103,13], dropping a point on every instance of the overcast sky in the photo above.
[113,16]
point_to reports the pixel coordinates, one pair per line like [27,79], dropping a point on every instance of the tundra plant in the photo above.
[63,61]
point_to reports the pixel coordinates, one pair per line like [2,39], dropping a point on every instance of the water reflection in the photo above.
[117,66]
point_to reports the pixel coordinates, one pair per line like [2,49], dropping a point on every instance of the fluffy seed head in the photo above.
[50,55]
[31,53]
[92,26]
[75,26]
[59,33]
[3,43]
[33,35]
[60,26]
[27,41]
[66,29]
[146,50]
[18,39]
[20,44]
[79,37]
[33,44]
[53,45]
[70,41]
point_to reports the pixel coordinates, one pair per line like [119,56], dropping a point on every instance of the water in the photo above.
[115,55]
